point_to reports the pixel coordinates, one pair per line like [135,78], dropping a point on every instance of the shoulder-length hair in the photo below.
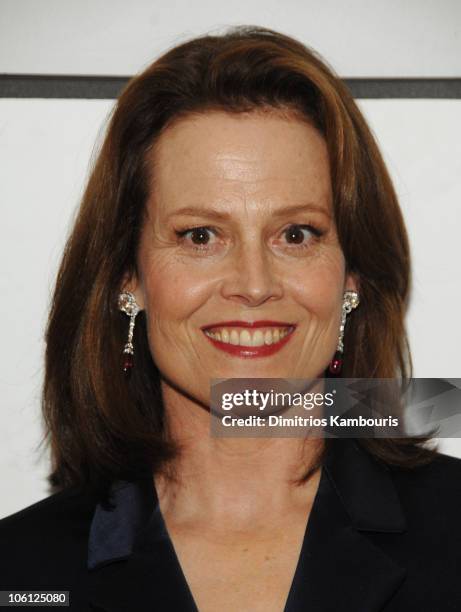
[102,427]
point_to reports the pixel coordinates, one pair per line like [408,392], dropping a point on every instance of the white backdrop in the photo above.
[46,146]
[360,38]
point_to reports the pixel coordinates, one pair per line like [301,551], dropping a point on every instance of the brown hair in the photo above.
[100,427]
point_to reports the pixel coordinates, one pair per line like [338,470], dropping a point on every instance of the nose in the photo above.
[251,278]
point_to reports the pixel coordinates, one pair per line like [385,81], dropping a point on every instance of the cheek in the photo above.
[319,288]
[172,291]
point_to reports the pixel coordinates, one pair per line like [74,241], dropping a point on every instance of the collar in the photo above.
[129,543]
[116,525]
[365,488]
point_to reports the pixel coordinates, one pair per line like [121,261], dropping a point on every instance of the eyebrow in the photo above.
[197,211]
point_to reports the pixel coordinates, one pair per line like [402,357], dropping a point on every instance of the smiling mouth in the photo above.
[244,342]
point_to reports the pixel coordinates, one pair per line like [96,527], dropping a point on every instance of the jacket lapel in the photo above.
[339,568]
[132,563]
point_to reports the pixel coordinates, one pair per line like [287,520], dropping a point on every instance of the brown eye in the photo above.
[200,235]
[294,234]
[197,238]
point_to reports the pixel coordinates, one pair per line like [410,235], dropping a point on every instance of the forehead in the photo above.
[218,156]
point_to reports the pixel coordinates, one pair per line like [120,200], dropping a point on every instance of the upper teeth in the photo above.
[245,337]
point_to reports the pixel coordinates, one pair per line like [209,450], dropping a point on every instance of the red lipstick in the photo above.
[248,324]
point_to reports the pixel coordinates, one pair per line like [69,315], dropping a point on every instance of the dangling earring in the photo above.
[127,303]
[351,300]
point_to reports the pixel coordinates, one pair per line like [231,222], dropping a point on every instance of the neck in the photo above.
[245,478]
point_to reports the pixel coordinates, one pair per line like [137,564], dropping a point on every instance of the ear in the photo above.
[130,282]
[352,282]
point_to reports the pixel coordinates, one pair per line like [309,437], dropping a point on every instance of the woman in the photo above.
[238,212]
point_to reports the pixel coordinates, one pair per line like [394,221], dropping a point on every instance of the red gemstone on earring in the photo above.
[336,364]
[127,364]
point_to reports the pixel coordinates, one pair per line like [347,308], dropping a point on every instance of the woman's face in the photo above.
[257,189]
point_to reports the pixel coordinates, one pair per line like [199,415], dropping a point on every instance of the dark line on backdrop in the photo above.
[108,87]
[60,86]
[449,88]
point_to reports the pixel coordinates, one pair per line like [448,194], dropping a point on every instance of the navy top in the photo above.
[377,539]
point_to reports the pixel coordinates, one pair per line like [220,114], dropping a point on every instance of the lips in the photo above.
[249,339]
[250,324]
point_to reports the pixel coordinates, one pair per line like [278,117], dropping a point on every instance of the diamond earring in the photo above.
[127,304]
[350,301]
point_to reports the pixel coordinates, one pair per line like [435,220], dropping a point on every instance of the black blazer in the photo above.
[377,539]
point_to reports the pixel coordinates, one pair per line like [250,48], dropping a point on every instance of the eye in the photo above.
[299,234]
[197,237]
